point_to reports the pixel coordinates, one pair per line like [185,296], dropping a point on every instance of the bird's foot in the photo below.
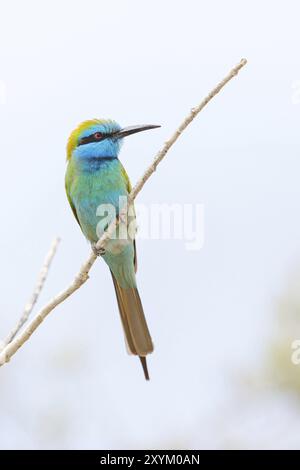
[98,251]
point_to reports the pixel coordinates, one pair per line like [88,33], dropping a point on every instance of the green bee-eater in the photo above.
[96,182]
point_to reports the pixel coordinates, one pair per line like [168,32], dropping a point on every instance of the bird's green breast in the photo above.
[90,186]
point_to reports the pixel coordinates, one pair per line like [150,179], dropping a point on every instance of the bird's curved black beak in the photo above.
[134,129]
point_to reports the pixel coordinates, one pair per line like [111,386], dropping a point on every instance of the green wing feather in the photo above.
[128,184]
[68,179]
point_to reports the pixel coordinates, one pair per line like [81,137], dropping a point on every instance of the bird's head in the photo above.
[99,138]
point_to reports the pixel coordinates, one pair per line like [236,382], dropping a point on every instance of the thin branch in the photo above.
[35,295]
[194,111]
[83,274]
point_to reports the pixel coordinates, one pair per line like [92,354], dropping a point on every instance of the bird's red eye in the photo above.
[98,136]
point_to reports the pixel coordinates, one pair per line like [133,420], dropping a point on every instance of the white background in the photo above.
[211,312]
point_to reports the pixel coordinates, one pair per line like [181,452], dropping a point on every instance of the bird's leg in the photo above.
[98,251]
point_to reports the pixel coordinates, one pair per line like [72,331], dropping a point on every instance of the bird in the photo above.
[95,183]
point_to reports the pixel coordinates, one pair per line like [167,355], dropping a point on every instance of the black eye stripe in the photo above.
[92,138]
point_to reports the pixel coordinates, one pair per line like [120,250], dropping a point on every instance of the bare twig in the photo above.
[35,295]
[194,111]
[83,274]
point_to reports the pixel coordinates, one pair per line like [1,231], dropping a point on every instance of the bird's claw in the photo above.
[98,251]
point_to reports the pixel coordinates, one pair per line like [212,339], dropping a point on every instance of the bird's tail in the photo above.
[134,323]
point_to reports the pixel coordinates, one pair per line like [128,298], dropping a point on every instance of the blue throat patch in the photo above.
[93,164]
